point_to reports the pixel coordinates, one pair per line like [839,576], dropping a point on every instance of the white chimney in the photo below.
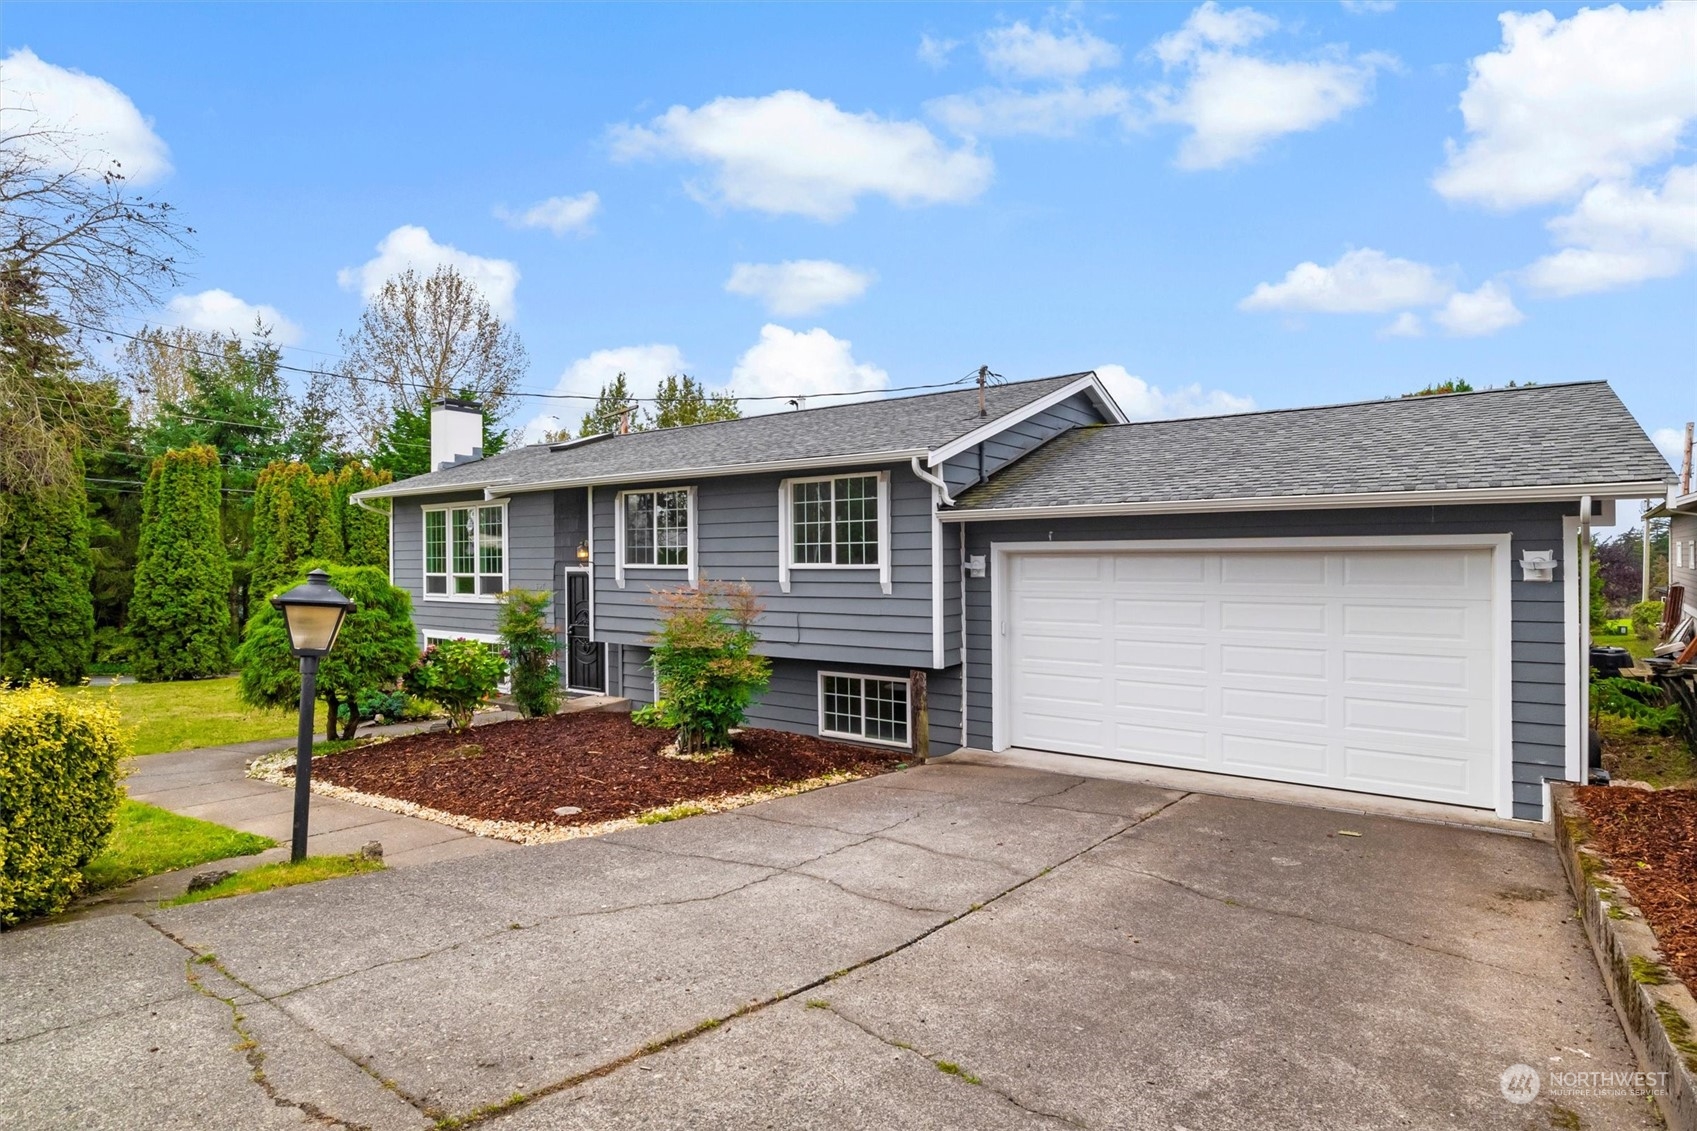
[456,433]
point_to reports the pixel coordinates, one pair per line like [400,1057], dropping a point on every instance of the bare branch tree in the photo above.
[420,339]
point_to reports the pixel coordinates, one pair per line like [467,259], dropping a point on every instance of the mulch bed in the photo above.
[600,762]
[1650,841]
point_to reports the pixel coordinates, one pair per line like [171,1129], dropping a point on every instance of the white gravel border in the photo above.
[269,768]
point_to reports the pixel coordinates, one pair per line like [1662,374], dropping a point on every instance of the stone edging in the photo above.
[269,768]
[1648,999]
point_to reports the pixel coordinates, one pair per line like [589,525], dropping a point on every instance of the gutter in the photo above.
[1555,494]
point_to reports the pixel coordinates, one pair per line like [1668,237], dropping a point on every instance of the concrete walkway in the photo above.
[952,946]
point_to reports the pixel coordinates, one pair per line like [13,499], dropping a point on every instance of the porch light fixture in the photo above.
[583,553]
[314,613]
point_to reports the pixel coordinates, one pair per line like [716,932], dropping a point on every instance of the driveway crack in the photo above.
[950,1068]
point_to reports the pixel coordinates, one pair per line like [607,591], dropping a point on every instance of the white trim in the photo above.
[905,681]
[1501,593]
[589,540]
[424,575]
[620,567]
[1089,382]
[1314,502]
[1573,608]
[786,528]
[936,579]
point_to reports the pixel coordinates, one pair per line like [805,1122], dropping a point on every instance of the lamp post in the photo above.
[314,613]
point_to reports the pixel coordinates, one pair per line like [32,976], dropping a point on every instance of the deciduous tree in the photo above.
[681,399]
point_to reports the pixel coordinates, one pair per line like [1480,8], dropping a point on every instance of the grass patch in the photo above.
[950,1068]
[1664,761]
[670,813]
[191,713]
[149,840]
[282,875]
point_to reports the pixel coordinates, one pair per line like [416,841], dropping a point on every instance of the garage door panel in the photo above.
[1283,663]
[1367,670]
[1303,617]
[1159,569]
[1164,746]
[1258,753]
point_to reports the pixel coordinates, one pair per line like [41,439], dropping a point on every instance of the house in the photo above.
[1680,509]
[1381,597]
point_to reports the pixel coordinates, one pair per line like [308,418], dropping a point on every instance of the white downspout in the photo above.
[1584,604]
[942,487]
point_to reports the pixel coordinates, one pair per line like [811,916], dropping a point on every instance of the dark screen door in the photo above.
[583,655]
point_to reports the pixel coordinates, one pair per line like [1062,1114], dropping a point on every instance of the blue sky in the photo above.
[1215,205]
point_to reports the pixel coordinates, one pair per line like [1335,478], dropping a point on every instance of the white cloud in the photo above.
[104,125]
[411,246]
[1478,313]
[1565,104]
[1061,51]
[798,286]
[559,214]
[1363,281]
[1142,401]
[1671,441]
[791,153]
[934,52]
[787,362]
[220,312]
[1368,7]
[1405,325]
[644,368]
[1005,112]
[1620,234]
[1234,102]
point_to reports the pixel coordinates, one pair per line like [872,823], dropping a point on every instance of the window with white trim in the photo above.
[835,521]
[863,707]
[465,551]
[656,528]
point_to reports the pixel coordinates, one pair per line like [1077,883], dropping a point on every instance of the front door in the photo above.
[584,665]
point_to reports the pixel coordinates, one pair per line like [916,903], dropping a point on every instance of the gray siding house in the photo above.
[1380,597]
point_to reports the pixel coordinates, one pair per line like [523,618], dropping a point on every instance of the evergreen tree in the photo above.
[46,606]
[289,510]
[373,651]
[681,399]
[365,533]
[613,403]
[179,622]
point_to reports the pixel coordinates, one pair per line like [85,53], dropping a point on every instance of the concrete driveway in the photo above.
[953,946]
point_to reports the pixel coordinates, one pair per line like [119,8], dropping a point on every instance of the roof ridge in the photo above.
[1408,398]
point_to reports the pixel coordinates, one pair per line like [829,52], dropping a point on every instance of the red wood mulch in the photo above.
[1650,840]
[602,763]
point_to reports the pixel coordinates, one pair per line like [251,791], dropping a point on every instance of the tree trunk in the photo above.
[331,706]
[353,719]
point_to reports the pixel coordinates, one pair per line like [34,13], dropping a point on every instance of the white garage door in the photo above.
[1367,670]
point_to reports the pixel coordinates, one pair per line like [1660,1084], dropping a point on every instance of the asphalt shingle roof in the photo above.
[1541,435]
[895,424]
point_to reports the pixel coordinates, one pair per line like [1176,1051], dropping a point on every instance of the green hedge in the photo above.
[59,795]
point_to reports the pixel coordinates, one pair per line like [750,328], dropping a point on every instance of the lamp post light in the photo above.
[314,613]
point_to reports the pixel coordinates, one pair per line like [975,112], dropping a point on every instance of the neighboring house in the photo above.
[1680,509]
[1328,596]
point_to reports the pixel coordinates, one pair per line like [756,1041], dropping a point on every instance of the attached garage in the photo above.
[1380,666]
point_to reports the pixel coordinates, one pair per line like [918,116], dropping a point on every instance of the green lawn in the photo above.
[281,875]
[150,840]
[1628,640]
[192,713]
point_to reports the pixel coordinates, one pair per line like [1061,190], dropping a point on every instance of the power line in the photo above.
[523,392]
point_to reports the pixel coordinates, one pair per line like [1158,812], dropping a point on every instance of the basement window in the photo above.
[864,708]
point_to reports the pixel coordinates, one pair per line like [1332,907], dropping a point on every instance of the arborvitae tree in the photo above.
[287,512]
[365,533]
[681,399]
[614,402]
[373,651]
[46,605]
[180,615]
[326,518]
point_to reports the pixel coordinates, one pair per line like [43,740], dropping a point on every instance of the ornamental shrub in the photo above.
[179,621]
[59,794]
[703,659]
[531,648]
[376,646]
[1647,619]
[456,675]
[1634,707]
[46,605]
